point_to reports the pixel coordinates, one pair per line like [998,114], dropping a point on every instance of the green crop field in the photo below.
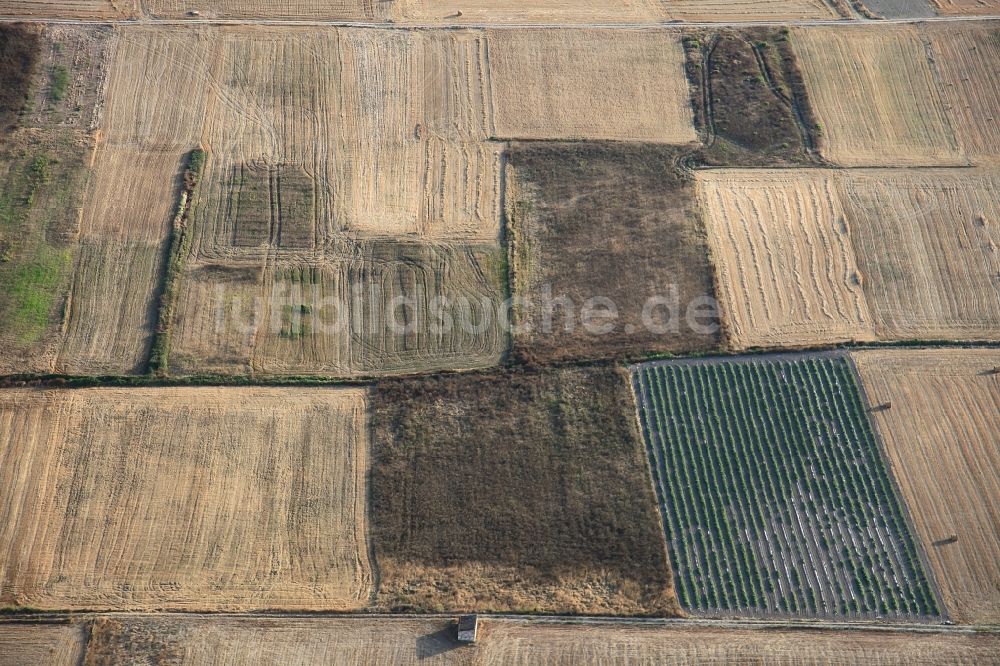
[776,500]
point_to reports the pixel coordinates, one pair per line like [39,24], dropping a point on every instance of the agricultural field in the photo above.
[294,255]
[531,11]
[967,7]
[753,10]
[514,490]
[57,644]
[833,262]
[353,10]
[940,431]
[877,98]
[787,272]
[776,499]
[71,9]
[109,499]
[191,640]
[927,244]
[596,221]
[41,178]
[750,102]
[966,59]
[570,84]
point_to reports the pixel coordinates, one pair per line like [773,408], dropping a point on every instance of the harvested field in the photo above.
[42,177]
[928,245]
[111,315]
[781,244]
[359,157]
[19,50]
[70,9]
[820,257]
[589,84]
[749,98]
[940,432]
[373,308]
[607,221]
[877,97]
[967,7]
[221,639]
[50,643]
[568,645]
[353,10]
[966,60]
[130,486]
[776,499]
[532,11]
[515,490]
[749,10]
[896,9]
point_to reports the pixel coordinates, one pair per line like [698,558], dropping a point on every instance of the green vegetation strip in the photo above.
[180,246]
[776,499]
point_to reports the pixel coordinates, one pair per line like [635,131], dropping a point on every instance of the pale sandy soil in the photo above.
[967,7]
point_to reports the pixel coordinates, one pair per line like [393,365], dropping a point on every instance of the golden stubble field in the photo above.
[194,499]
[807,257]
[941,437]
[287,640]
[877,96]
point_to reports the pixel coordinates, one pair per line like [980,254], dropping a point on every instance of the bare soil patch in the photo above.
[515,490]
[611,221]
[749,98]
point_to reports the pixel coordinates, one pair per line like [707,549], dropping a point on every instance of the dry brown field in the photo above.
[590,84]
[612,221]
[194,499]
[218,640]
[966,60]
[786,270]
[941,437]
[515,490]
[820,257]
[877,96]
[54,644]
[967,7]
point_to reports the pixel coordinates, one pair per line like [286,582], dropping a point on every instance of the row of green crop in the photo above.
[738,450]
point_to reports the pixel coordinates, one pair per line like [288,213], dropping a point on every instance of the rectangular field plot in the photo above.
[877,97]
[967,57]
[184,499]
[589,84]
[524,490]
[967,7]
[806,257]
[531,11]
[942,434]
[776,499]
